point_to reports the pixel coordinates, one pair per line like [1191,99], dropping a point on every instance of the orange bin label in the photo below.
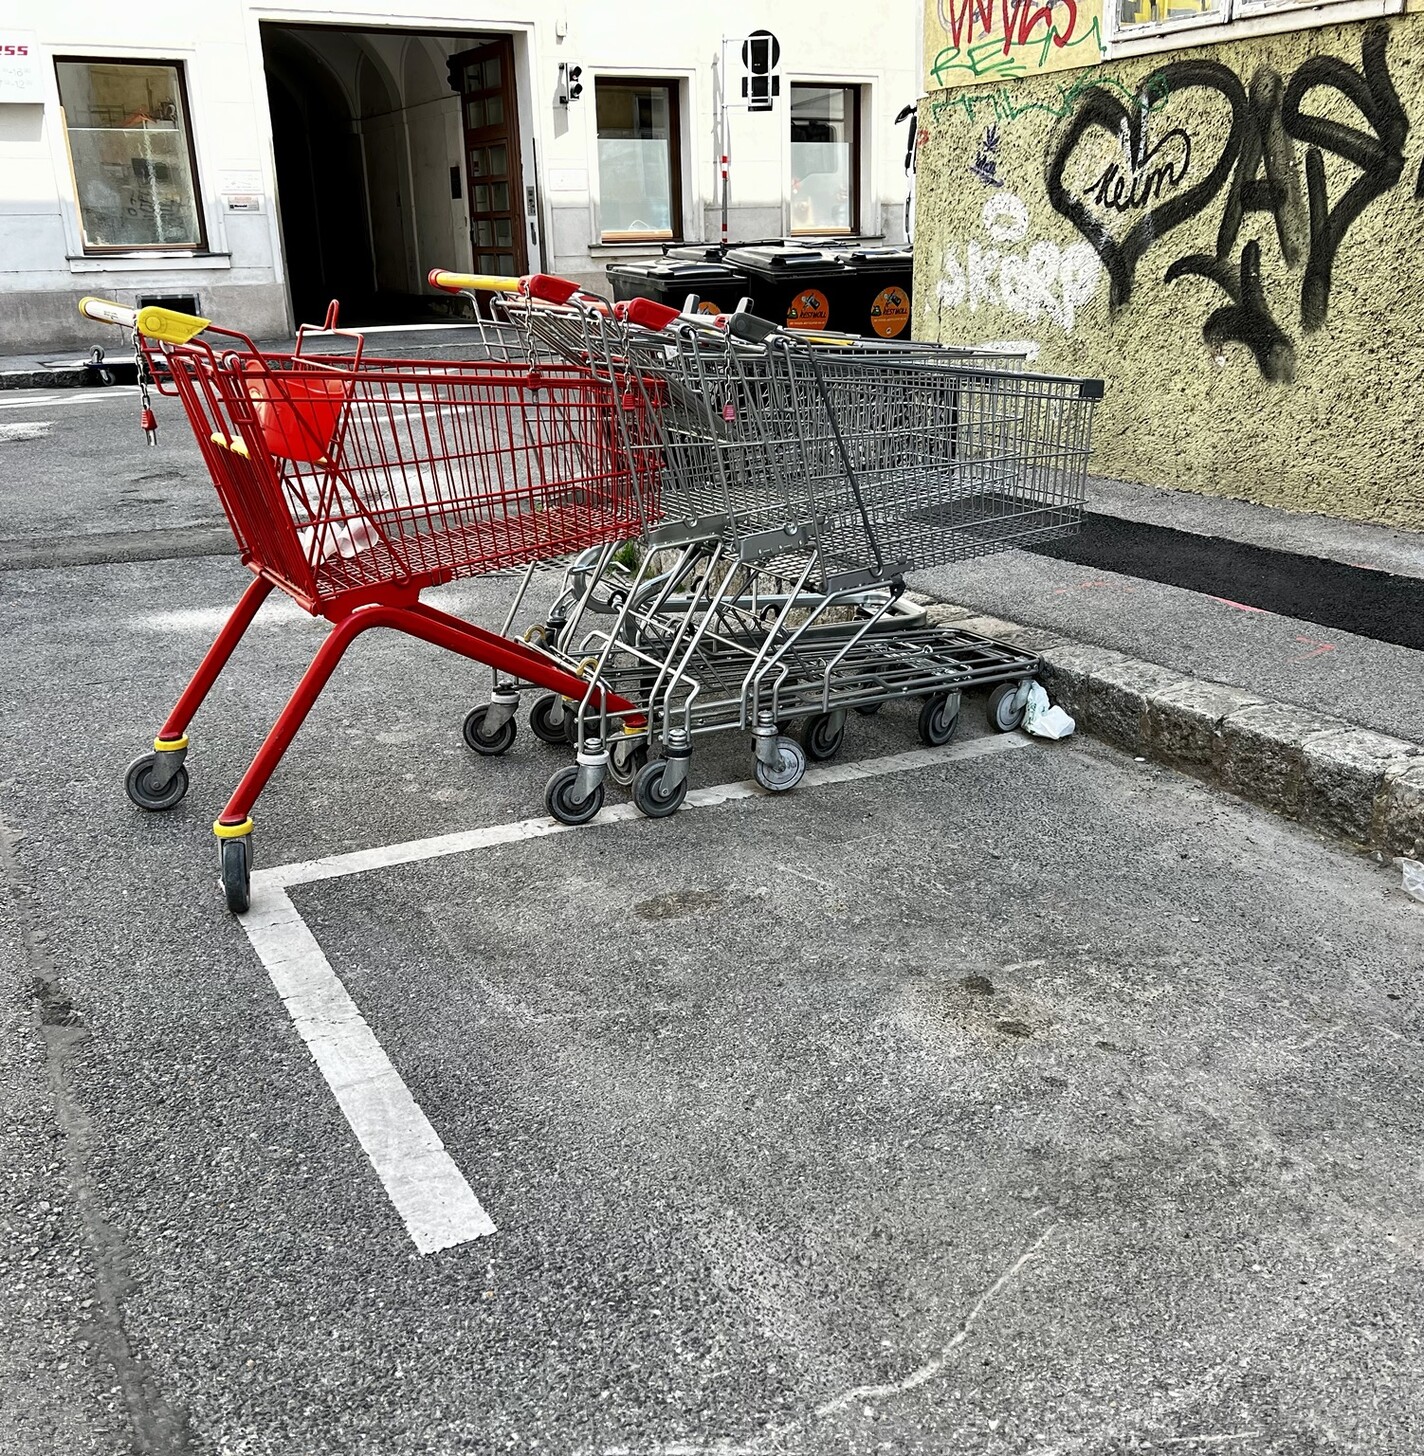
[809,310]
[890,312]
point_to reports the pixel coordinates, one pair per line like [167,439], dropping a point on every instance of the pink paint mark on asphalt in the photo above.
[1241,606]
[1321,648]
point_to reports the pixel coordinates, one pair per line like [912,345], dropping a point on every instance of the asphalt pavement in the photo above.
[1014,1098]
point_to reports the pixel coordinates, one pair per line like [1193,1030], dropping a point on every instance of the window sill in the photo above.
[1148,40]
[155,262]
[646,245]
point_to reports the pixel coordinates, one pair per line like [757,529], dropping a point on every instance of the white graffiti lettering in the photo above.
[1041,281]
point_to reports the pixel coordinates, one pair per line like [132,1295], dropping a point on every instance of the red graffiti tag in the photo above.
[1015,20]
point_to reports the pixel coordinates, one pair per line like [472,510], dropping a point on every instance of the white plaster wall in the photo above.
[43,271]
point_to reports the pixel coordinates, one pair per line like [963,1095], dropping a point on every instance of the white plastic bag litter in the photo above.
[1042,719]
[1413,878]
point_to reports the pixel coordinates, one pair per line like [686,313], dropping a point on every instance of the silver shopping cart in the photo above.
[800,477]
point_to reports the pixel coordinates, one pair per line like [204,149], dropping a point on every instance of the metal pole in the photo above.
[723,132]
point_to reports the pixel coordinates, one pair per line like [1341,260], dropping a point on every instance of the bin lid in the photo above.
[697,252]
[680,271]
[783,259]
[879,260]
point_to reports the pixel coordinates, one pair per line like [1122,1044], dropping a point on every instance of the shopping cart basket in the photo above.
[353,484]
[801,477]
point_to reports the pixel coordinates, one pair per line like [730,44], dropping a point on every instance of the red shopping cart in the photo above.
[353,483]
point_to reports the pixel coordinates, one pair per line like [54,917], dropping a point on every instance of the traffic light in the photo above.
[570,87]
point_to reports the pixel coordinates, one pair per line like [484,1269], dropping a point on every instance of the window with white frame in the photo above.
[825,158]
[130,147]
[639,159]
[1141,18]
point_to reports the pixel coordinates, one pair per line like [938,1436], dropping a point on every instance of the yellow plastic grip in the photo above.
[163,325]
[168,326]
[474,282]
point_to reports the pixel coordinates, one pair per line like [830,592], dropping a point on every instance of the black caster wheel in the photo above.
[821,735]
[626,760]
[488,745]
[236,863]
[1002,713]
[785,773]
[543,725]
[869,710]
[649,795]
[939,717]
[564,808]
[138,785]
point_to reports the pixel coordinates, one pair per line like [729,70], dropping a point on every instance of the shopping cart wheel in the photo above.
[939,717]
[565,809]
[1002,713]
[237,872]
[493,744]
[545,729]
[785,773]
[821,735]
[648,792]
[138,785]
[869,710]
[626,760]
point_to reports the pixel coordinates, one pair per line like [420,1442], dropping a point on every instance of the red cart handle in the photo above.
[645,313]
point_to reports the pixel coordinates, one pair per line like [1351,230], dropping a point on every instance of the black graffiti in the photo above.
[1247,318]
[1379,156]
[1269,121]
[1101,108]
[1265,178]
[1143,182]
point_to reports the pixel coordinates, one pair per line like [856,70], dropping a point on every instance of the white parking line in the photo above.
[421,1179]
[22,399]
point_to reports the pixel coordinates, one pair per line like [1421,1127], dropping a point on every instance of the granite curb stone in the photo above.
[1119,701]
[1184,722]
[1398,826]
[1351,783]
[1261,753]
[1343,775]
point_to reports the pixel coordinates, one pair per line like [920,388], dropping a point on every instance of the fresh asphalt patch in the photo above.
[1358,599]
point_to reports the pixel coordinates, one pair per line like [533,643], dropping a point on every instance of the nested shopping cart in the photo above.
[809,473]
[353,484]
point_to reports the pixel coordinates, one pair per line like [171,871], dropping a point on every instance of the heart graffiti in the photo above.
[1101,110]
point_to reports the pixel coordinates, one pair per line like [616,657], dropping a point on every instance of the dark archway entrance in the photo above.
[321,184]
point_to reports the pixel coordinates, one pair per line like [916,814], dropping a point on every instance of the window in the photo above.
[825,159]
[1133,18]
[132,155]
[639,159]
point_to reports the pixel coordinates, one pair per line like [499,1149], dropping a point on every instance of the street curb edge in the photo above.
[1335,777]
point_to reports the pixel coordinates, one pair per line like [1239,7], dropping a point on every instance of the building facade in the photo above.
[252,160]
[1217,206]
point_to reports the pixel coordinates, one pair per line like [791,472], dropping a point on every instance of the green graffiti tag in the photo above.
[1008,104]
[999,58]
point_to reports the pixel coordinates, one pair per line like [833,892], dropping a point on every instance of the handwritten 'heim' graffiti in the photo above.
[1259,172]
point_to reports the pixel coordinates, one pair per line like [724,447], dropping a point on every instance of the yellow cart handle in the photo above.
[162,325]
[474,282]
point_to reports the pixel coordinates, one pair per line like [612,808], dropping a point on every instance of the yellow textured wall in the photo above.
[1231,236]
